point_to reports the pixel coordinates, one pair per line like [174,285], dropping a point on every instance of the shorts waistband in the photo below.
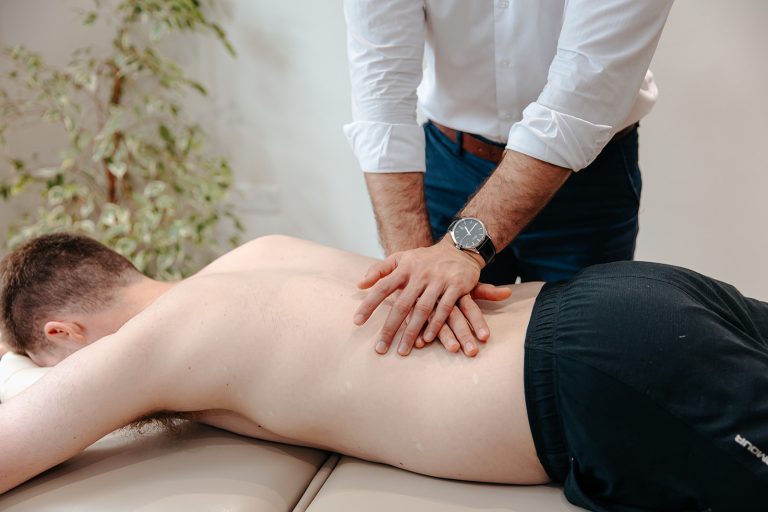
[540,384]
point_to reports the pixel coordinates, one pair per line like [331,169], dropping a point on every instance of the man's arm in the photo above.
[94,391]
[441,274]
[385,46]
[401,217]
[603,54]
[400,209]
[519,188]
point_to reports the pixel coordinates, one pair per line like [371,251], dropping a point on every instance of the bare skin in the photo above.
[432,279]
[401,218]
[403,224]
[259,343]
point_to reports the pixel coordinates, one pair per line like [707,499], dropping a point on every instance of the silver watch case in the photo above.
[472,247]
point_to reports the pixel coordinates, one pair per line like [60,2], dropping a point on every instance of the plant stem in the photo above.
[114,100]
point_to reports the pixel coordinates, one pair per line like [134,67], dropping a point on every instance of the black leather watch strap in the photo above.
[487,250]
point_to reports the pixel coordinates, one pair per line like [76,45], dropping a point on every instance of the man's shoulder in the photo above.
[265,251]
[197,293]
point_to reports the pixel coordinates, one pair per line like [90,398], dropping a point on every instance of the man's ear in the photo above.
[65,334]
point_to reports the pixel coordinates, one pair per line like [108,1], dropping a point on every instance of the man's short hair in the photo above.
[58,273]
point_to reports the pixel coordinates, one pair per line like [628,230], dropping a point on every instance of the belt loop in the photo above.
[459,143]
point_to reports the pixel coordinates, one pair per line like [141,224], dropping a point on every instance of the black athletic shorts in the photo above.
[647,389]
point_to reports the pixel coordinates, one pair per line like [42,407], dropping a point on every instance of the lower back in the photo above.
[313,378]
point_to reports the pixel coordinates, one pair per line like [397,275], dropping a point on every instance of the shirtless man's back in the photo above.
[644,383]
[262,343]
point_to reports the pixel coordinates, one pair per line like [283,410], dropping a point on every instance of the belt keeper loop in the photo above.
[459,143]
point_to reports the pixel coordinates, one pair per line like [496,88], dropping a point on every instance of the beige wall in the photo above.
[277,112]
[702,149]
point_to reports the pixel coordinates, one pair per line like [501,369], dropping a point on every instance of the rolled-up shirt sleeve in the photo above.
[385,47]
[603,53]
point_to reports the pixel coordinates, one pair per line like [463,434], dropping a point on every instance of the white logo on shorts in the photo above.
[754,450]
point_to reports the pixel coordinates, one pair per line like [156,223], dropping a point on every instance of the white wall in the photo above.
[277,112]
[703,147]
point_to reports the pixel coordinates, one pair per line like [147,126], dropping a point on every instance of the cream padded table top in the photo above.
[199,469]
[359,485]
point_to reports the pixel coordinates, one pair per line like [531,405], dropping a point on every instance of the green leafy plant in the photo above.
[134,173]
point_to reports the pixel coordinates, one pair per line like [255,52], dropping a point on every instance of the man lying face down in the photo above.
[637,386]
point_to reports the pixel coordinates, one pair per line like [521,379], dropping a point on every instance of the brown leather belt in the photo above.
[494,152]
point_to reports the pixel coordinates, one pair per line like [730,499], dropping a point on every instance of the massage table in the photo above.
[201,468]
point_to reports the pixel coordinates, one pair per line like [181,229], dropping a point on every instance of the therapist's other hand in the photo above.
[457,334]
[432,280]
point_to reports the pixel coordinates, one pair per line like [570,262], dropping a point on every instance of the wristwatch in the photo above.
[469,234]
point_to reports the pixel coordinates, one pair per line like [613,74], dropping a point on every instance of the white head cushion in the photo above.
[17,373]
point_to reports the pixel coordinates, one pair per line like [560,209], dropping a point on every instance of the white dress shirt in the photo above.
[553,79]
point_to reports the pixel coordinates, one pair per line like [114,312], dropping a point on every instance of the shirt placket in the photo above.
[504,67]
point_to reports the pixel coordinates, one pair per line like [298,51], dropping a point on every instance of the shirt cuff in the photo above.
[558,138]
[387,147]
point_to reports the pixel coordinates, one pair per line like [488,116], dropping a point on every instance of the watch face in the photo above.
[468,233]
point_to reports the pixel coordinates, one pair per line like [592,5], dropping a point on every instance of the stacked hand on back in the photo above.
[436,289]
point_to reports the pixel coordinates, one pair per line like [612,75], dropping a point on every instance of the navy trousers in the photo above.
[592,219]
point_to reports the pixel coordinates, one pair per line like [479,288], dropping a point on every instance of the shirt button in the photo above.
[503,4]
[506,116]
[505,63]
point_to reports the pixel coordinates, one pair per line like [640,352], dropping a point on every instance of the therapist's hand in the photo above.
[432,280]
[456,333]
